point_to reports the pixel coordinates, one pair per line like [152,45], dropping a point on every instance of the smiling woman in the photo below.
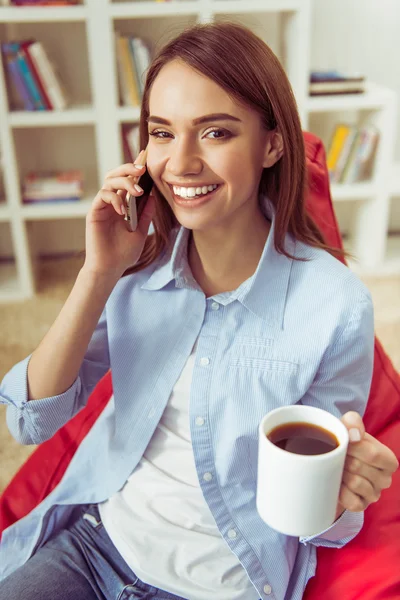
[234,306]
[230,124]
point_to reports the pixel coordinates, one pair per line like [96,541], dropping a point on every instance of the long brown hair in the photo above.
[247,69]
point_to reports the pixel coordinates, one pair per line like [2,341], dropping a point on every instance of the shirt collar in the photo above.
[264,293]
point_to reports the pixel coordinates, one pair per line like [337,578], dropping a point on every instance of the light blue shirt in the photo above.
[294,332]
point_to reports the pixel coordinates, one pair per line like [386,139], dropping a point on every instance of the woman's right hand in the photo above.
[110,247]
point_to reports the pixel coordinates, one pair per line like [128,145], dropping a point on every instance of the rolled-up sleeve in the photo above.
[342,531]
[35,421]
[342,384]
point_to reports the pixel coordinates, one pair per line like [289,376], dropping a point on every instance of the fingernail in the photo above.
[354,435]
[138,188]
[123,209]
[138,166]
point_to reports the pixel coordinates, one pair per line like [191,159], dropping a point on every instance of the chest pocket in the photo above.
[259,376]
[258,353]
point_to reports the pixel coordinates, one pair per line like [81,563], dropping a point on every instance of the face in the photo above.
[190,150]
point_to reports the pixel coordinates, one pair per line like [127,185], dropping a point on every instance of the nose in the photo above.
[184,159]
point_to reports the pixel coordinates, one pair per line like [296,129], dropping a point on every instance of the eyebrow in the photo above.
[199,120]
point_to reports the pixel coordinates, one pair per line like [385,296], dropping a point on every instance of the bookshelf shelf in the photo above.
[65,210]
[342,192]
[374,97]
[41,14]
[74,115]
[255,6]
[87,135]
[128,10]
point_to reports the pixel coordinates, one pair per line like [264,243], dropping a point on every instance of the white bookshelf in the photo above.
[87,134]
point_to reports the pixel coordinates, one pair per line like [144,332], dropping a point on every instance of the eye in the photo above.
[159,133]
[221,133]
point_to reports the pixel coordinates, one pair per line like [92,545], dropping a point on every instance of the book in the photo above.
[336,82]
[324,76]
[336,144]
[49,76]
[122,83]
[45,2]
[361,169]
[348,144]
[25,44]
[52,186]
[17,84]
[352,152]
[142,58]
[18,50]
[126,66]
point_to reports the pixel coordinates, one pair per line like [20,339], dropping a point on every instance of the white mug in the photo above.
[297,494]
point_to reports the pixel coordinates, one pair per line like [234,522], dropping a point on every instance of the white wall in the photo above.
[364,36]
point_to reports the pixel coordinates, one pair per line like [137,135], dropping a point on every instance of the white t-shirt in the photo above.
[161,524]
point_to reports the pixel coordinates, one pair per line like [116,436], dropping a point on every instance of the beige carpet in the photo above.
[23,325]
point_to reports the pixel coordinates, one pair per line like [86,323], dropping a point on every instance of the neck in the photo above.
[221,260]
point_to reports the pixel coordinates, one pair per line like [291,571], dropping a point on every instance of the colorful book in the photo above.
[335,82]
[49,76]
[337,174]
[25,44]
[338,139]
[16,49]
[129,88]
[349,171]
[17,82]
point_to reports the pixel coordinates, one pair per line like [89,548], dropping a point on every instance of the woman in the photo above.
[234,307]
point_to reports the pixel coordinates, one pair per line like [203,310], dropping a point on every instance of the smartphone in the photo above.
[135,205]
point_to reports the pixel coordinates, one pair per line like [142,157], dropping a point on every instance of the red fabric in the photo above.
[367,567]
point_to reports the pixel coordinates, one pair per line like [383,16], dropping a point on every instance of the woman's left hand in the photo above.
[368,468]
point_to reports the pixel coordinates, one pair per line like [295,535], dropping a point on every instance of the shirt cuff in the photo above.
[35,421]
[342,531]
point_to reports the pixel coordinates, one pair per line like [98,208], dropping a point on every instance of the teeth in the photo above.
[191,192]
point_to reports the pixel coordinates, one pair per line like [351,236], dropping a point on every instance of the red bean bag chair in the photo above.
[369,566]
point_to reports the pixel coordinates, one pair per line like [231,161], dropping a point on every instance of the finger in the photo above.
[355,426]
[373,452]
[125,170]
[108,198]
[361,487]
[121,183]
[351,501]
[380,479]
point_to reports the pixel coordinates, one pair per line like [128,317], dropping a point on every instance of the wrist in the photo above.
[96,275]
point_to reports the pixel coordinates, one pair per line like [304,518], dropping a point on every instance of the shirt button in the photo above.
[232,534]
[207,476]
[199,421]
[215,306]
[267,589]
[204,361]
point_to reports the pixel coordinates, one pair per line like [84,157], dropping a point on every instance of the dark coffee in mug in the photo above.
[303,438]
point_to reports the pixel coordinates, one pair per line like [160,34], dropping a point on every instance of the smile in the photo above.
[182,198]
[193,192]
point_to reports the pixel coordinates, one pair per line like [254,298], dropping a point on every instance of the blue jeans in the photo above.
[79,563]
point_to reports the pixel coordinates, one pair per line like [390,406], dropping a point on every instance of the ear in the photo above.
[273,148]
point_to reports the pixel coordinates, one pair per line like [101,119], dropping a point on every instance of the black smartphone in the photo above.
[135,205]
